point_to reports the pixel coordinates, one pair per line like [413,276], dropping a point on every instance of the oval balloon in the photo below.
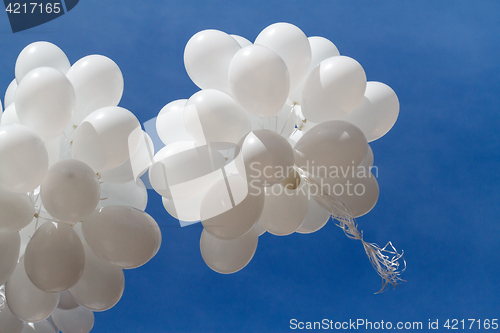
[78,320]
[9,322]
[9,116]
[170,123]
[316,218]
[121,235]
[10,94]
[54,258]
[23,159]
[259,80]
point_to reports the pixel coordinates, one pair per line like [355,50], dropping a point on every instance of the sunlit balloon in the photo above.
[9,116]
[170,123]
[315,219]
[10,94]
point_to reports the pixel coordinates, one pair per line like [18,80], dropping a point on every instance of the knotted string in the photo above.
[384,260]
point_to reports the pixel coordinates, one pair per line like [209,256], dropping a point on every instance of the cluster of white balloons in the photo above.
[71,204]
[274,121]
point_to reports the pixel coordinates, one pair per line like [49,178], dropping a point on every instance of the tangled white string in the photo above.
[385,260]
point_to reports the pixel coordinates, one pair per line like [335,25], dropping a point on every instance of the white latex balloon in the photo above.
[10,323]
[182,171]
[79,320]
[122,235]
[26,301]
[241,40]
[43,326]
[321,49]
[23,159]
[27,232]
[40,54]
[9,116]
[67,302]
[333,89]
[292,45]
[45,101]
[10,243]
[377,112]
[331,146]
[229,208]
[54,258]
[207,56]
[259,80]
[213,116]
[10,94]
[228,256]
[102,283]
[16,211]
[187,210]
[285,208]
[107,138]
[132,193]
[70,191]
[315,219]
[98,83]
[267,158]
[359,192]
[170,123]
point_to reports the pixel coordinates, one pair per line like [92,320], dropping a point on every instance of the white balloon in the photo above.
[285,208]
[259,80]
[43,326]
[58,148]
[132,193]
[40,54]
[241,40]
[315,219]
[283,123]
[267,158]
[54,258]
[10,94]
[227,256]
[23,159]
[10,323]
[377,112]
[321,49]
[9,116]
[102,283]
[27,232]
[70,191]
[229,208]
[107,138]
[186,210]
[67,302]
[183,171]
[16,211]
[170,123]
[25,300]
[122,235]
[213,116]
[333,89]
[45,101]
[292,45]
[79,320]
[207,56]
[98,83]
[331,146]
[10,244]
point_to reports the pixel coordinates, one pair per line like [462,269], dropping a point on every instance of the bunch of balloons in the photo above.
[276,140]
[71,204]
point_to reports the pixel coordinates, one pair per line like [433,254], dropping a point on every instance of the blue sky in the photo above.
[438,166]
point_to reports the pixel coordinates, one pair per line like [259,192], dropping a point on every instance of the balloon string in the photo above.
[380,258]
[288,118]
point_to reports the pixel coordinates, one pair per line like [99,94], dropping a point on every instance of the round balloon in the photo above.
[23,159]
[45,101]
[315,219]
[78,320]
[9,322]
[40,54]
[9,116]
[170,123]
[10,94]
[98,83]
[16,211]
[207,56]
[259,80]
[228,256]
[230,208]
[70,191]
[25,300]
[124,236]
[333,89]
[241,40]
[54,258]
[107,138]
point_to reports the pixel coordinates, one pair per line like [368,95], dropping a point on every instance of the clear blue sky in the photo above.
[438,167]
